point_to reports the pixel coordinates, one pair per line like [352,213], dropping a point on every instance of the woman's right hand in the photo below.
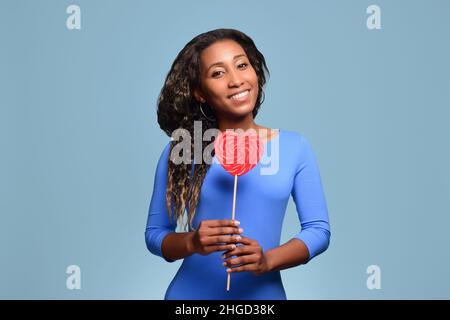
[215,235]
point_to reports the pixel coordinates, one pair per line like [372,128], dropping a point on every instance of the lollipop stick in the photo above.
[232,217]
[234,195]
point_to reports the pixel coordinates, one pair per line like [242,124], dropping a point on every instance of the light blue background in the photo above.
[80,140]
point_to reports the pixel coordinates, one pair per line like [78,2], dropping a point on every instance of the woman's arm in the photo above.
[159,226]
[288,255]
[309,198]
[314,236]
[177,245]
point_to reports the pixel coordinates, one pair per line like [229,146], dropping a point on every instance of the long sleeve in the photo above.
[158,222]
[309,198]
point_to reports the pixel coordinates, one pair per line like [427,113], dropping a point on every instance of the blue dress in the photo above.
[261,200]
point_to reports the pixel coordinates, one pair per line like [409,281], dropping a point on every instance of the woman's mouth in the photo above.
[240,97]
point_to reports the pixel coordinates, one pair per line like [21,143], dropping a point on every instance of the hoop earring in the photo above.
[201,110]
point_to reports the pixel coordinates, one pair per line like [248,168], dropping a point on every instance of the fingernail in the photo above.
[241,230]
[224,264]
[237,222]
[233,246]
[223,256]
[228,270]
[238,238]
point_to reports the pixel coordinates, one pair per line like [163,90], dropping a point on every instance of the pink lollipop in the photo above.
[238,154]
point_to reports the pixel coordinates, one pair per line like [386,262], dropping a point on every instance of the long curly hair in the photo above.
[178,108]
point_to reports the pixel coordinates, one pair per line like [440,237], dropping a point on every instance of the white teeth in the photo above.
[239,95]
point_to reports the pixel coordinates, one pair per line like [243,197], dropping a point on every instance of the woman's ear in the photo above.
[198,96]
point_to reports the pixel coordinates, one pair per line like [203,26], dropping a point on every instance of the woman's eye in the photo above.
[215,73]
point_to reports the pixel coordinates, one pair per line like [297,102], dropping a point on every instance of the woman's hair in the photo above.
[178,108]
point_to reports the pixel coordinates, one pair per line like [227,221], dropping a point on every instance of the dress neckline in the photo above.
[273,137]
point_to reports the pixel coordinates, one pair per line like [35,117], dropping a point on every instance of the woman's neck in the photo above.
[244,123]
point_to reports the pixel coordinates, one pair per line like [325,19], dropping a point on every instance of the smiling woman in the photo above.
[218,79]
[229,83]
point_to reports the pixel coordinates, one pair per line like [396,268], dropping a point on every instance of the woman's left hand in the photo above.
[250,257]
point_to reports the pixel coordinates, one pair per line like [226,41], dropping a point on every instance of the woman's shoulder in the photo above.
[164,153]
[292,136]
[295,144]
[165,148]
[274,133]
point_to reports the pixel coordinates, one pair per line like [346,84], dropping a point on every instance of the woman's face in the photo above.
[225,71]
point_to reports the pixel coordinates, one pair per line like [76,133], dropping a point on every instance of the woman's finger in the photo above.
[246,240]
[222,223]
[224,230]
[227,239]
[223,247]
[245,267]
[242,260]
[239,250]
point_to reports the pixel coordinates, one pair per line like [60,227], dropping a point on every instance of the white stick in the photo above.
[232,217]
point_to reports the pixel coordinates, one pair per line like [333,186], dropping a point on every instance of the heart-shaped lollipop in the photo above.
[238,154]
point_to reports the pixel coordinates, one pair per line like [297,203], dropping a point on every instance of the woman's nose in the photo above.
[235,79]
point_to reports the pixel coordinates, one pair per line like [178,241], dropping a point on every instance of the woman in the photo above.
[218,78]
